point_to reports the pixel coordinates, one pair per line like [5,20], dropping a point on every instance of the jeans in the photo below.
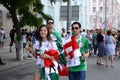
[80,75]
[95,48]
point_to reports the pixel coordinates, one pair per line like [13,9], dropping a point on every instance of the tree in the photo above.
[27,10]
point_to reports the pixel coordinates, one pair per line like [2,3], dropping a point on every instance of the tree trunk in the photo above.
[18,44]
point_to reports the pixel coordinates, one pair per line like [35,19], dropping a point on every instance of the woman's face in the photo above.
[43,32]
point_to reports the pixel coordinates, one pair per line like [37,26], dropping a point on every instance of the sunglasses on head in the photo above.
[75,28]
[50,22]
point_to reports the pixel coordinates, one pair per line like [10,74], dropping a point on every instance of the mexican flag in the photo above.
[71,49]
[59,44]
[51,66]
[48,62]
[63,71]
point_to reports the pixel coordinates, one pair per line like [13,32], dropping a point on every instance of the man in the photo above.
[83,33]
[63,34]
[12,35]
[77,50]
[56,36]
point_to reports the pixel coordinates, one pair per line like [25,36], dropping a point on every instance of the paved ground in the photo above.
[96,72]
[17,70]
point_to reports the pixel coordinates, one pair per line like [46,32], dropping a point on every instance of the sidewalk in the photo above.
[9,59]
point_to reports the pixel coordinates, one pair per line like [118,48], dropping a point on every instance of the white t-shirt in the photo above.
[46,45]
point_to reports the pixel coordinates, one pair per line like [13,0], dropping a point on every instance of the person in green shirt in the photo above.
[56,36]
[94,42]
[79,72]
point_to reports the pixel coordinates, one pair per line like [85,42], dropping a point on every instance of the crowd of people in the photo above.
[53,50]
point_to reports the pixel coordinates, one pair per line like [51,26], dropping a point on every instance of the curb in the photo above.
[2,71]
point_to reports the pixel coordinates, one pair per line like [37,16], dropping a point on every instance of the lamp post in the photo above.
[69,9]
[105,16]
[117,15]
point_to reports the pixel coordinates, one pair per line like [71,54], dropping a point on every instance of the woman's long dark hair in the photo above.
[48,35]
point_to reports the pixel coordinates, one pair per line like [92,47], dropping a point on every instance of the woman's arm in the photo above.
[46,56]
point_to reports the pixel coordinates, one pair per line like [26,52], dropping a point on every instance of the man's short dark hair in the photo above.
[50,19]
[83,30]
[77,23]
[14,26]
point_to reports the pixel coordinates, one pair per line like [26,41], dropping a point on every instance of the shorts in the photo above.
[37,68]
[2,39]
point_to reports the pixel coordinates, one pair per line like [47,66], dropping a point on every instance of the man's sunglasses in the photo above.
[50,22]
[75,28]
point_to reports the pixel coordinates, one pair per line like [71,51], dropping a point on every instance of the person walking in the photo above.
[110,48]
[47,55]
[118,44]
[76,49]
[63,34]
[2,37]
[101,47]
[12,35]
[94,42]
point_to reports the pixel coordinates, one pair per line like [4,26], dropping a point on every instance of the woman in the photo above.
[2,37]
[110,47]
[118,44]
[101,47]
[43,46]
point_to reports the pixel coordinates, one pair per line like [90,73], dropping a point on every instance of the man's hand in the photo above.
[67,58]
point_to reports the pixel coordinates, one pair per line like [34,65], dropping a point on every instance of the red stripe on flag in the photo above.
[70,47]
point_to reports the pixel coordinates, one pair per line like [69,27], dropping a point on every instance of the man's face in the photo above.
[50,24]
[75,29]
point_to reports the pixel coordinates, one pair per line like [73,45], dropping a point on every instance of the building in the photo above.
[80,10]
[102,11]
[55,11]
[5,19]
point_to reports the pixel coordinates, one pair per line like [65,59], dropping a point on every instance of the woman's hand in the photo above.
[51,57]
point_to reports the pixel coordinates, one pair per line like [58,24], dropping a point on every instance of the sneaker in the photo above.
[112,65]
[106,65]
[2,63]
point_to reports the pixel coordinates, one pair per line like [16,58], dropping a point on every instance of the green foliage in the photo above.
[27,9]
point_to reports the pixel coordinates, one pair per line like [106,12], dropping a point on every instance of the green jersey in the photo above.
[83,42]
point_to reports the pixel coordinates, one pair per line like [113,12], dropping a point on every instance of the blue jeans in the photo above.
[95,48]
[80,75]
